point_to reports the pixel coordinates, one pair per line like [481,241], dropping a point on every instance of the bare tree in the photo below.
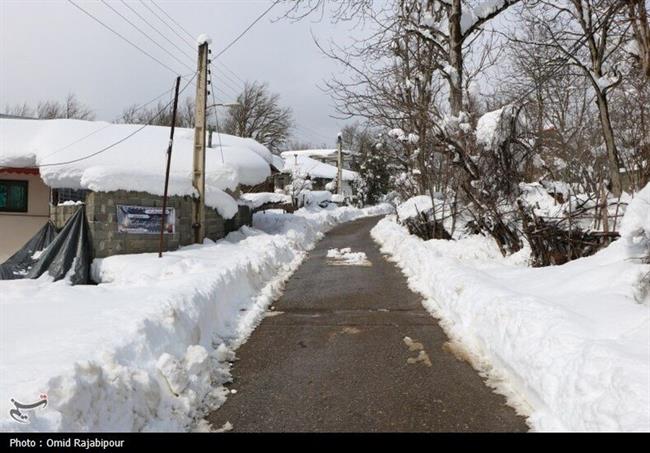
[259,115]
[160,114]
[586,35]
[73,108]
[638,15]
[397,77]
[49,110]
[70,108]
[22,110]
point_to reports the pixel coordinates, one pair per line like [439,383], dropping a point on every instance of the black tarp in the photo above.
[68,254]
[21,262]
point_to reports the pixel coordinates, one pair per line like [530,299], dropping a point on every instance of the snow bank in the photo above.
[138,163]
[635,226]
[148,349]
[316,197]
[414,206]
[568,345]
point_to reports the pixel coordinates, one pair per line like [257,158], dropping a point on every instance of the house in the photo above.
[313,164]
[327,156]
[276,164]
[49,168]
[24,208]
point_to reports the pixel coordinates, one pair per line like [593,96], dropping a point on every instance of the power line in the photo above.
[167,25]
[140,107]
[225,66]
[229,80]
[246,29]
[122,37]
[172,19]
[145,34]
[216,117]
[112,145]
[158,31]
[233,90]
[237,83]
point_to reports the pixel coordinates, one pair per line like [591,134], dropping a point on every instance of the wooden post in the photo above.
[169,160]
[339,173]
[210,132]
[198,176]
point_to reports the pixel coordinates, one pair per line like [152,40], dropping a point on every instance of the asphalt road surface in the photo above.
[333,356]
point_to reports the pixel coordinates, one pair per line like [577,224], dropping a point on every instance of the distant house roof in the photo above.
[316,152]
[313,167]
[277,162]
[15,117]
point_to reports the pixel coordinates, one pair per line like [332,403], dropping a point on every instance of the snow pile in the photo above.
[137,163]
[414,206]
[487,128]
[470,17]
[316,197]
[635,226]
[568,345]
[346,257]
[148,349]
[422,205]
[203,39]
[538,196]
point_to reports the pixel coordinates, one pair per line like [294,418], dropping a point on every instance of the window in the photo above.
[63,195]
[13,196]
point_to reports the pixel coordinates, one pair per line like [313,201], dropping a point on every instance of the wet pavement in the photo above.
[350,348]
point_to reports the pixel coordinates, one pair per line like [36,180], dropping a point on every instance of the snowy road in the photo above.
[350,348]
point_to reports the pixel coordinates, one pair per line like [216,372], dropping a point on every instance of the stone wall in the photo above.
[101,212]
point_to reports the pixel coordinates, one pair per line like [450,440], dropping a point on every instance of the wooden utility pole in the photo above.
[169,160]
[339,175]
[198,176]
[211,130]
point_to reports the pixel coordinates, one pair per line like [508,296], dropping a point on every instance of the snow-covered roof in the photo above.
[314,168]
[137,163]
[277,162]
[255,200]
[315,152]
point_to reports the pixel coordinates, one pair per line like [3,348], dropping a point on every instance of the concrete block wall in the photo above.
[243,217]
[101,213]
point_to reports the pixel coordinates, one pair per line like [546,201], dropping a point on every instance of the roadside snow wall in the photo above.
[569,346]
[149,348]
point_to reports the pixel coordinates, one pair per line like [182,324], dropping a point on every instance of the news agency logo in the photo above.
[19,413]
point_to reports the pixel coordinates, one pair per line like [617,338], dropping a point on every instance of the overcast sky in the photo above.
[50,48]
